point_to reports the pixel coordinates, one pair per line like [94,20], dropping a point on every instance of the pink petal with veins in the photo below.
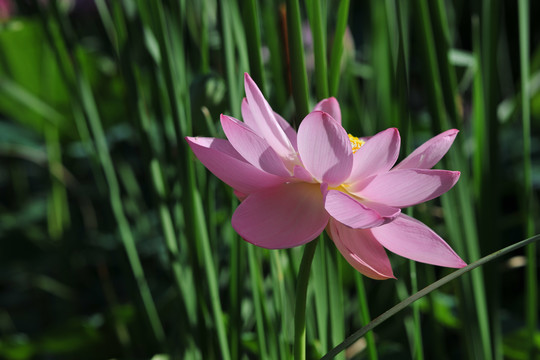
[252,147]
[289,130]
[284,216]
[223,160]
[403,188]
[412,239]
[331,107]
[429,153]
[376,156]
[266,124]
[351,212]
[361,250]
[324,148]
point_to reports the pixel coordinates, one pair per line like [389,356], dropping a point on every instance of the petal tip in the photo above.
[394,133]
[461,264]
[324,115]
[248,81]
[331,106]
[379,276]
[449,135]
[192,140]
[452,132]
[225,120]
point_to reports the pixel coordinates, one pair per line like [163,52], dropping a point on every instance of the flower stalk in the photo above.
[301,297]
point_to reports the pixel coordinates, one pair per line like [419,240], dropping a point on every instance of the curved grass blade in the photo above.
[428,289]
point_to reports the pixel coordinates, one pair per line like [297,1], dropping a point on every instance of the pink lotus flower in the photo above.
[293,186]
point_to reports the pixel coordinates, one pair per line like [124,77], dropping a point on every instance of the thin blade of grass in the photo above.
[282,280]
[256,290]
[250,17]
[300,304]
[366,317]
[383,87]
[418,348]
[296,59]
[337,47]
[428,289]
[335,292]
[531,294]
[277,50]
[87,102]
[320,288]
[456,161]
[318,28]
[58,214]
[228,48]
[237,252]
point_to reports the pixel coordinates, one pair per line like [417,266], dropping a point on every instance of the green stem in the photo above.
[337,48]
[531,302]
[205,43]
[418,349]
[256,289]
[364,311]
[336,326]
[237,259]
[428,289]
[296,57]
[277,62]
[250,17]
[230,61]
[318,26]
[300,306]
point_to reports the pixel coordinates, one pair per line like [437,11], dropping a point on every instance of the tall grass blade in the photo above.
[337,47]
[87,102]
[456,161]
[301,297]
[366,317]
[531,294]
[318,28]
[335,292]
[297,60]
[250,17]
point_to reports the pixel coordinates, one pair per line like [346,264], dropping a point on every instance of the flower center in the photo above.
[356,143]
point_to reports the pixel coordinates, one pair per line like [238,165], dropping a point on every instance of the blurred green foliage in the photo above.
[116,243]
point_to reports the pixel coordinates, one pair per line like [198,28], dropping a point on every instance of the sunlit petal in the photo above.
[284,216]
[377,155]
[412,239]
[324,148]
[403,188]
[361,250]
[331,107]
[430,152]
[252,147]
[223,160]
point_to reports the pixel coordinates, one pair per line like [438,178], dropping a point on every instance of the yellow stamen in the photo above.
[356,143]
